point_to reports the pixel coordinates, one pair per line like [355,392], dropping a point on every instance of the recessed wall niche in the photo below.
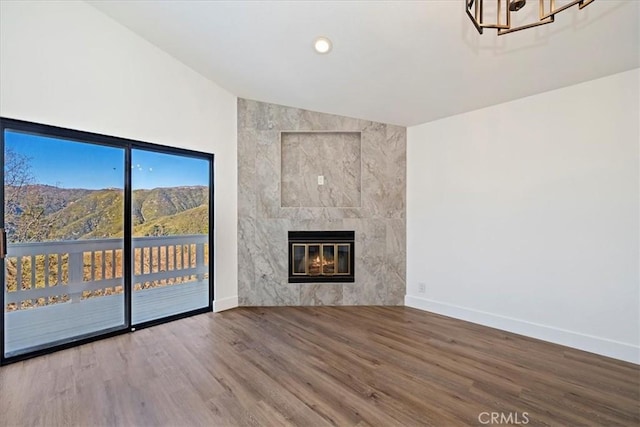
[320,169]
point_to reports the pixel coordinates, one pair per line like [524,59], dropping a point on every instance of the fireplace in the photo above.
[321,256]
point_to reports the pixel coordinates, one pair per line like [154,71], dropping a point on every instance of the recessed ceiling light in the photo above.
[322,45]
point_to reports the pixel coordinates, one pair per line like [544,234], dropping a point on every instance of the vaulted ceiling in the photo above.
[400,62]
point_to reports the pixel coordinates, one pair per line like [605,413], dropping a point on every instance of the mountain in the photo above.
[192,221]
[148,205]
[52,198]
[72,214]
[94,215]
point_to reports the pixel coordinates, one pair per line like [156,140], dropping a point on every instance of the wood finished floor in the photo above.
[380,366]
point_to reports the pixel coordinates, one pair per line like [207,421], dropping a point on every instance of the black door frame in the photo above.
[127,145]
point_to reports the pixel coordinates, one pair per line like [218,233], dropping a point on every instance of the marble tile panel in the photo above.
[368,288]
[271,264]
[318,224]
[343,213]
[395,171]
[321,294]
[395,288]
[246,173]
[264,116]
[369,262]
[246,256]
[320,213]
[246,110]
[396,246]
[333,155]
[311,120]
[267,182]
[374,186]
[396,264]
[299,214]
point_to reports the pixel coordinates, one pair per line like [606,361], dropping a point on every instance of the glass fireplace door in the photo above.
[321,259]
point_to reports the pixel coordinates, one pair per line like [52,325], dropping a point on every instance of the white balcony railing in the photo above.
[76,269]
[45,280]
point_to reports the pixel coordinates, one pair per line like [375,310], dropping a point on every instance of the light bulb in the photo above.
[322,45]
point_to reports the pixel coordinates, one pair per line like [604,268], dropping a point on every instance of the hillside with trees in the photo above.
[50,213]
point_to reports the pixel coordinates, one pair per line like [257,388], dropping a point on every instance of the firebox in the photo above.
[321,256]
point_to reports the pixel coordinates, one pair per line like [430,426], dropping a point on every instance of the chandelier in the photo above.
[508,16]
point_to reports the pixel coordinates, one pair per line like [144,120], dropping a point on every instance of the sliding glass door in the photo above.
[170,228]
[63,219]
[99,235]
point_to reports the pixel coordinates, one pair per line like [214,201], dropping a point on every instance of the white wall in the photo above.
[69,65]
[524,216]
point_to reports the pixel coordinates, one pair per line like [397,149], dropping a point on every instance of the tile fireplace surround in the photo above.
[281,153]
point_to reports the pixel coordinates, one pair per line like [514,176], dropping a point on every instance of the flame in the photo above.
[318,262]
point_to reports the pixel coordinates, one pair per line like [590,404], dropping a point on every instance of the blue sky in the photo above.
[70,164]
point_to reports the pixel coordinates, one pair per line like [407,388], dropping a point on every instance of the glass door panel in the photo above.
[64,224]
[328,267]
[343,262]
[314,266]
[299,261]
[170,229]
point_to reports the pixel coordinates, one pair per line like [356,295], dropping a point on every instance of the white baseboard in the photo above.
[225,303]
[602,346]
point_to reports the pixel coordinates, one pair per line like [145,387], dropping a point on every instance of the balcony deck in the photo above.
[170,276]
